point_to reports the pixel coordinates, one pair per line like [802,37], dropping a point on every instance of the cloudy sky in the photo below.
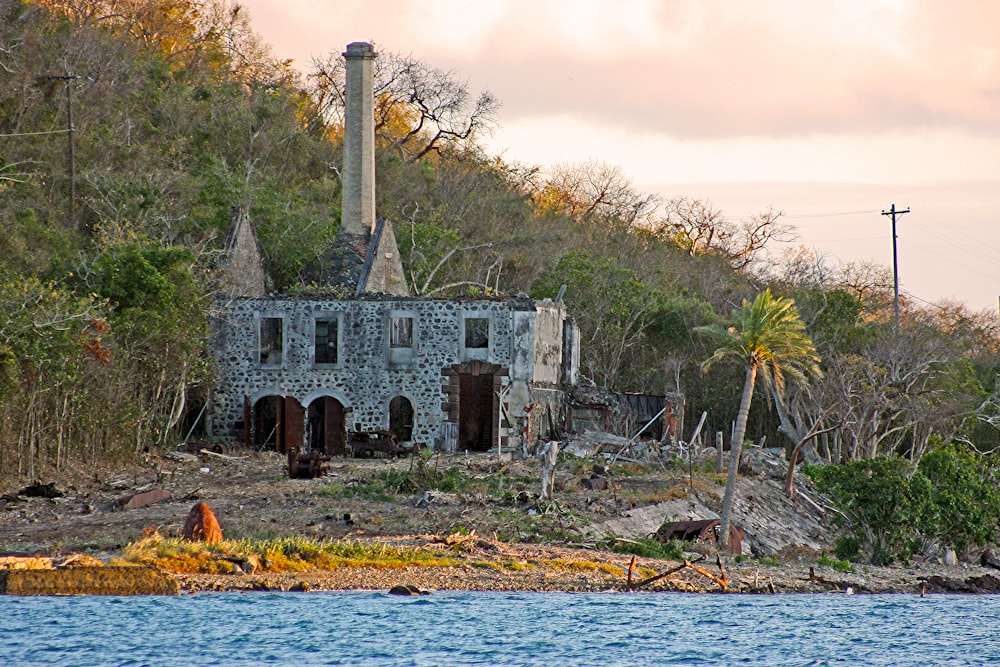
[828,110]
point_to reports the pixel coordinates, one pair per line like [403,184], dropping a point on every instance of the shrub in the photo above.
[887,505]
[881,501]
[847,547]
[965,502]
[839,565]
[648,548]
[388,483]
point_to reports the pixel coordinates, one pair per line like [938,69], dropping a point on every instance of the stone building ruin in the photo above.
[301,372]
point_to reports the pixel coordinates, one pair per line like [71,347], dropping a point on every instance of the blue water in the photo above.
[500,629]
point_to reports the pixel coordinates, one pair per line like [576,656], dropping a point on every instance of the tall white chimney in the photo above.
[358,208]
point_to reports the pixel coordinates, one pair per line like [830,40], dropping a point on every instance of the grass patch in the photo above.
[648,548]
[387,484]
[839,565]
[509,564]
[284,554]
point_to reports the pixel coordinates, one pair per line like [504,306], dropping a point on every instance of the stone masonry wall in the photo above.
[368,374]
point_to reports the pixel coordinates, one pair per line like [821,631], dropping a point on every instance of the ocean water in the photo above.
[458,628]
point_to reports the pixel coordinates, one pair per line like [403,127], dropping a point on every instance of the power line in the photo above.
[33,134]
[803,216]
[964,265]
[957,241]
[857,238]
[991,328]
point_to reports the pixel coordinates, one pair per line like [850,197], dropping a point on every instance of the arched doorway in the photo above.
[327,432]
[401,418]
[277,423]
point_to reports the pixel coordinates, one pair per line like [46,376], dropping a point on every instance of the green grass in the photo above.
[840,565]
[387,484]
[648,548]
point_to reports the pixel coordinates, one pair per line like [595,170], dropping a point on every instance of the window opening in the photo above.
[272,343]
[326,351]
[401,332]
[477,332]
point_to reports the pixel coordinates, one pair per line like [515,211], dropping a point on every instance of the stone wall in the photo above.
[368,372]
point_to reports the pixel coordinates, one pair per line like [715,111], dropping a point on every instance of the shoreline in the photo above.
[465,578]
[489,565]
[484,565]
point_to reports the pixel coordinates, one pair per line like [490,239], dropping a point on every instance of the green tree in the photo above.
[881,500]
[965,501]
[768,339]
[614,309]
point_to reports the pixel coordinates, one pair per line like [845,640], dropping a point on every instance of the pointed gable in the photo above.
[382,271]
[241,269]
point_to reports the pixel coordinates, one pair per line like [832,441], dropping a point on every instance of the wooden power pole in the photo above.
[895,264]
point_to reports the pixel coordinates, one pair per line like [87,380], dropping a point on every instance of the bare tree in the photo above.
[419,109]
[701,229]
[596,191]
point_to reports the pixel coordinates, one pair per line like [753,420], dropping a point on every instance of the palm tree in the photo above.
[769,339]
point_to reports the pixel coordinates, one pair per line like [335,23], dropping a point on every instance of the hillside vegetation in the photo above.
[180,112]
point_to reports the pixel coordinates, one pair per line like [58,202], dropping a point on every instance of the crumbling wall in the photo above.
[548,343]
[547,418]
[363,376]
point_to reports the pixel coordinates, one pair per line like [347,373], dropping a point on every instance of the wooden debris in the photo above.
[656,577]
[721,580]
[224,457]
[462,540]
[831,584]
[144,499]
[76,560]
[180,456]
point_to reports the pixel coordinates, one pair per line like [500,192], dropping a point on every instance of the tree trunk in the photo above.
[735,449]
[549,456]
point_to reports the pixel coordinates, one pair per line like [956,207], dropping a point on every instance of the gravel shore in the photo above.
[490,566]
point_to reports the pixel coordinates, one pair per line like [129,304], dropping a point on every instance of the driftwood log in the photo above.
[720,580]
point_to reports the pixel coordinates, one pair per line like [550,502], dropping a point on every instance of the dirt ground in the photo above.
[253,497]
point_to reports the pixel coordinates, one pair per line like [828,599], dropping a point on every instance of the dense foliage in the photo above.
[180,112]
[891,509]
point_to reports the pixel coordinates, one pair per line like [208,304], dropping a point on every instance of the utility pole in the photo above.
[895,265]
[71,155]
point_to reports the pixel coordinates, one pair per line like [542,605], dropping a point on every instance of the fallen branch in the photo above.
[721,580]
[224,457]
[823,581]
[656,577]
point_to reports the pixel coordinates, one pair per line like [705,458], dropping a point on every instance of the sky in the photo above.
[830,111]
